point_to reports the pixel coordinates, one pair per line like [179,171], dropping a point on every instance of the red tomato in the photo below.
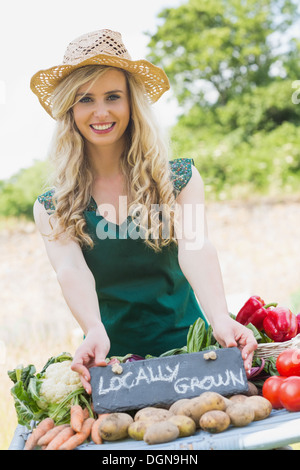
[288,362]
[271,388]
[289,393]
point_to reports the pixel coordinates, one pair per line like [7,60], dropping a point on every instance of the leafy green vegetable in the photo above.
[25,405]
[259,335]
[29,403]
[22,374]
[174,352]
[199,338]
[196,336]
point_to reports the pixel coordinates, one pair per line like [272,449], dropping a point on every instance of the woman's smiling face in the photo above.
[102,111]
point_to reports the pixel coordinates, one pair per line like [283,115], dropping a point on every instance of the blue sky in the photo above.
[34,35]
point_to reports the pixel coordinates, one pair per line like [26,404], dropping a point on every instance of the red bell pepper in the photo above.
[298,320]
[280,324]
[253,311]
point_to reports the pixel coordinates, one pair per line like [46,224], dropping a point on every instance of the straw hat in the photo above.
[102,47]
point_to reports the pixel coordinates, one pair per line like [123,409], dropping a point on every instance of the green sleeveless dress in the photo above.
[146,303]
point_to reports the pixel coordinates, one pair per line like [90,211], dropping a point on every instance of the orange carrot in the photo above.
[77,417]
[61,437]
[86,413]
[38,432]
[79,437]
[96,438]
[46,438]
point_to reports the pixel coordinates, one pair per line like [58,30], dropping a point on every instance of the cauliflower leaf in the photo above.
[49,393]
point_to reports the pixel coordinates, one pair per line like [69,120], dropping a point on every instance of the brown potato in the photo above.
[261,407]
[227,401]
[174,407]
[151,413]
[240,414]
[115,426]
[186,425]
[197,406]
[252,389]
[214,421]
[238,398]
[163,431]
[137,429]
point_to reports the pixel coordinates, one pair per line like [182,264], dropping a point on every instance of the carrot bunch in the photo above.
[82,427]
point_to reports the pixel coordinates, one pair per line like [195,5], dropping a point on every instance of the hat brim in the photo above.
[44,82]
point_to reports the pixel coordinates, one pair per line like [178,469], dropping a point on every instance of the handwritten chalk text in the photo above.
[130,380]
[208,382]
[181,385]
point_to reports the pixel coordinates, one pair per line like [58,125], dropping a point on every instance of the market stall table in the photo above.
[280,429]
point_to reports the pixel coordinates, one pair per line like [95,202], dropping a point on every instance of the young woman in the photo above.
[124,227]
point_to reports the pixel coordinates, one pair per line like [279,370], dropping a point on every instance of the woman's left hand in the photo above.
[229,333]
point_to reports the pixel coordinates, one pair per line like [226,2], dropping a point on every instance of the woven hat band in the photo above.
[92,44]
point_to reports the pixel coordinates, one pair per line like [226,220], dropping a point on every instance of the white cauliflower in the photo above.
[59,380]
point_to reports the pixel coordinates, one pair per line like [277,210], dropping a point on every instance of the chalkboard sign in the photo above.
[161,381]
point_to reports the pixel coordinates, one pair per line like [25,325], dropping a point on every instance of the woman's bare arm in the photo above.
[199,262]
[78,288]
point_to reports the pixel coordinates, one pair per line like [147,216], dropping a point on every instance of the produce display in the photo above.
[283,390]
[254,311]
[61,413]
[209,412]
[278,323]
[49,393]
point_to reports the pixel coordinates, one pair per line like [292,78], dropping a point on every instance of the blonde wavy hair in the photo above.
[144,163]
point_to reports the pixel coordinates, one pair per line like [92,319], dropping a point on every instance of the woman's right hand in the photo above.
[92,352]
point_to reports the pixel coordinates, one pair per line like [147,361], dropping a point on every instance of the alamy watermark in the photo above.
[296,94]
[189,222]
